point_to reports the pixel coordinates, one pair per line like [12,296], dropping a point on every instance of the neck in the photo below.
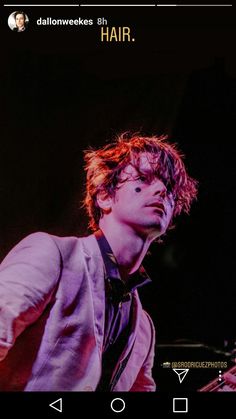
[128,247]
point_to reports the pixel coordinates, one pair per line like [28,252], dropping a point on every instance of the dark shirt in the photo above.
[16,29]
[119,297]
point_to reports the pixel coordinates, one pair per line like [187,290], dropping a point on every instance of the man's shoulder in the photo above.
[44,249]
[66,245]
[43,238]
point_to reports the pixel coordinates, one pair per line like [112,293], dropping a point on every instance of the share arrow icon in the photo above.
[181,373]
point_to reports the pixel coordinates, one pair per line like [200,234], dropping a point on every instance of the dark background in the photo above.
[62,90]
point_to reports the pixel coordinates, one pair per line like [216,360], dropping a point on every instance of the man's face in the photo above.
[142,200]
[20,20]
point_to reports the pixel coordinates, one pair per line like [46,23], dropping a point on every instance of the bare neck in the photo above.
[128,247]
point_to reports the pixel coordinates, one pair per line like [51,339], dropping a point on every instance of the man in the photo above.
[20,21]
[70,314]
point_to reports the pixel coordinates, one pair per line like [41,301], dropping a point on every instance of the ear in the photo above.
[104,201]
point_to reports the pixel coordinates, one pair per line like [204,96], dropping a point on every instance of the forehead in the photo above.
[144,162]
[19,16]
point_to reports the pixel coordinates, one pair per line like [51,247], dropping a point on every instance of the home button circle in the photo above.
[117,405]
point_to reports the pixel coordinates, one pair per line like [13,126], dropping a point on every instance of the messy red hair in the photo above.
[103,167]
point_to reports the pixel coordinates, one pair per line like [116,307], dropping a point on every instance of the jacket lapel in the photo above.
[96,273]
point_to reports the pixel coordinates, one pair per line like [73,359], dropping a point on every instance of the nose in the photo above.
[159,188]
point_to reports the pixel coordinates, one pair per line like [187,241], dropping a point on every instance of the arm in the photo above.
[144,381]
[28,277]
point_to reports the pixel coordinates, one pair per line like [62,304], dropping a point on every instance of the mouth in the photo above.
[160,207]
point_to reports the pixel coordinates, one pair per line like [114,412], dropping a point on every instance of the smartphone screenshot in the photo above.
[117,203]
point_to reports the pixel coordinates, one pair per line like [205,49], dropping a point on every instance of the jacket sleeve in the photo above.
[28,278]
[144,381]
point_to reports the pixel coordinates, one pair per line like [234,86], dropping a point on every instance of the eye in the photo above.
[142,178]
[169,188]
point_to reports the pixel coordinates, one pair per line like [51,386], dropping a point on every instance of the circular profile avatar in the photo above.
[18,21]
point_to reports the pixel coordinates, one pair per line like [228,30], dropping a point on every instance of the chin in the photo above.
[155,229]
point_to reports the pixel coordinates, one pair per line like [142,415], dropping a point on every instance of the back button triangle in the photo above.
[57,405]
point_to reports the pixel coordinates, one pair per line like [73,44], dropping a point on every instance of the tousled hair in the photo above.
[20,13]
